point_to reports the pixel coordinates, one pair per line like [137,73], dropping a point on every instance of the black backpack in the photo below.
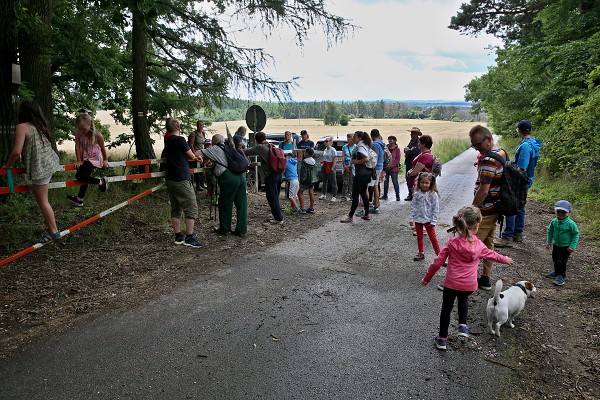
[237,162]
[513,189]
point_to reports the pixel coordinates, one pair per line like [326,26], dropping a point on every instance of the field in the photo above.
[439,130]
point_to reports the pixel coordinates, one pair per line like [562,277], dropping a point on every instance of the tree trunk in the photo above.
[139,106]
[8,48]
[35,57]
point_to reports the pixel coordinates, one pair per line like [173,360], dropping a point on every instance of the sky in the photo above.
[402,50]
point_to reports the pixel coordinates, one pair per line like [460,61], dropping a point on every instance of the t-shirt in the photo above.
[177,167]
[361,151]
[329,155]
[305,145]
[347,150]
[424,158]
[490,171]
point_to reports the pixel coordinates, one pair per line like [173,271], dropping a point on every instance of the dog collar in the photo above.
[522,288]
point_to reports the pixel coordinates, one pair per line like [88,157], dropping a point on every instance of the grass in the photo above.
[447,149]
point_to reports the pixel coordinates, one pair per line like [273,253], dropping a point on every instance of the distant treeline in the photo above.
[235,109]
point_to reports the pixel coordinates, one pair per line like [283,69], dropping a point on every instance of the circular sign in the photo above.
[256,119]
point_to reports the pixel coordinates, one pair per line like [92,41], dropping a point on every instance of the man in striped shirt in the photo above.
[487,191]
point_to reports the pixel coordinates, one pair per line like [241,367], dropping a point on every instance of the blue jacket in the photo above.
[379,148]
[527,156]
[291,169]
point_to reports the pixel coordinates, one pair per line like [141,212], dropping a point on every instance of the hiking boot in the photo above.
[440,343]
[503,242]
[310,210]
[559,280]
[463,330]
[484,283]
[419,257]
[103,185]
[347,220]
[191,241]
[551,275]
[75,201]
[179,238]
[517,237]
[366,217]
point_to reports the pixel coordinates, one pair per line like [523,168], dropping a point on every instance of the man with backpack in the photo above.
[526,156]
[272,178]
[487,190]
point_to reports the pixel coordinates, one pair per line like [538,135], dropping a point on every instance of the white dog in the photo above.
[505,306]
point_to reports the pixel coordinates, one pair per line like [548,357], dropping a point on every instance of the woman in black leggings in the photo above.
[362,175]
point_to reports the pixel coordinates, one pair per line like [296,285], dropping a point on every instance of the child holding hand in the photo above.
[463,252]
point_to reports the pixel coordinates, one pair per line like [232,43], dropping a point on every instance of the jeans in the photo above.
[386,183]
[514,224]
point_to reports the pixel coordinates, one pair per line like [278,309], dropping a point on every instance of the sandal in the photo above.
[48,237]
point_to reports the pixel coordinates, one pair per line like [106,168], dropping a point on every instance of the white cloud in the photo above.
[402,50]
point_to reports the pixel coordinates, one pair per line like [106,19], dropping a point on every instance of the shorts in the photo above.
[41,181]
[487,230]
[183,199]
[376,180]
[293,190]
[307,187]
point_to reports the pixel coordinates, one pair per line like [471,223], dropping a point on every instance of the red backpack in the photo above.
[277,160]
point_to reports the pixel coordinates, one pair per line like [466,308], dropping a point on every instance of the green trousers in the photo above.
[233,192]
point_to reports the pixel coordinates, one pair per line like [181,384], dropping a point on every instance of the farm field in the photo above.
[439,130]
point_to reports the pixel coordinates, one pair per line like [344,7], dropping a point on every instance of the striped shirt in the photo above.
[490,172]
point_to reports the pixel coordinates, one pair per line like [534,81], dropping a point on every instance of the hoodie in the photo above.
[308,171]
[291,169]
[379,148]
[527,156]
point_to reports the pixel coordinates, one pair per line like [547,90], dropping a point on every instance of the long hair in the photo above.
[364,136]
[85,118]
[30,112]
[464,220]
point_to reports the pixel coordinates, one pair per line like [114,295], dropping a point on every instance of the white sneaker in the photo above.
[322,197]
[333,199]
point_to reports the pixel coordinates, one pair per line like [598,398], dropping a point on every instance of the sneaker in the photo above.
[360,213]
[75,201]
[302,211]
[384,197]
[559,280]
[322,197]
[440,287]
[419,257]
[179,238]
[397,198]
[192,242]
[374,210]
[347,220]
[274,221]
[551,275]
[484,283]
[103,185]
[296,210]
[333,199]
[408,198]
[310,210]
[517,237]
[366,217]
[463,330]
[502,242]
[440,343]
[344,198]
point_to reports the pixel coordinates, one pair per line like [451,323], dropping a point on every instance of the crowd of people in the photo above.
[366,161]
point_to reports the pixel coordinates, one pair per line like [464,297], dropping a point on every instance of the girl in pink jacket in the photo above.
[463,252]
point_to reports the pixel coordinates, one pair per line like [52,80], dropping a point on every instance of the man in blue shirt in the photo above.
[526,156]
[347,176]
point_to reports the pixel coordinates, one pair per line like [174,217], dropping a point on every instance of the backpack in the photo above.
[513,189]
[306,174]
[387,157]
[436,167]
[237,162]
[277,160]
[372,163]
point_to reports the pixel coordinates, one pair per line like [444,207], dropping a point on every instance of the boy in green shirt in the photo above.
[562,236]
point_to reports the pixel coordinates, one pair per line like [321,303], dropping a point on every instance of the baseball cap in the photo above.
[563,205]
[524,126]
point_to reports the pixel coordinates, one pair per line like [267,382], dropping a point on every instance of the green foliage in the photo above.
[344,120]
[332,114]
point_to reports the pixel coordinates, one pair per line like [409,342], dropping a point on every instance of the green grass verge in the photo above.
[447,149]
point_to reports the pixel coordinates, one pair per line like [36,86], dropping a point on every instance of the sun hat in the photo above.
[415,129]
[563,205]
